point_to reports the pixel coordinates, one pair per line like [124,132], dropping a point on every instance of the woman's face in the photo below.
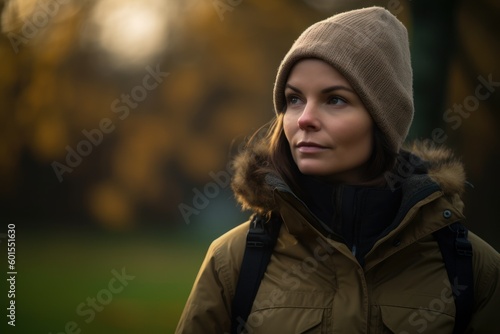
[328,128]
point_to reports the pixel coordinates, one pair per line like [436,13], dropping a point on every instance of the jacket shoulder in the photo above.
[486,260]
[227,254]
[486,264]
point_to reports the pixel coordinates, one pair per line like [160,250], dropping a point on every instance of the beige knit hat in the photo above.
[370,48]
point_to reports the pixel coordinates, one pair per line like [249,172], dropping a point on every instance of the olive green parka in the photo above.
[314,284]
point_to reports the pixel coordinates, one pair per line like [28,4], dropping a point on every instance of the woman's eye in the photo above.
[335,100]
[293,99]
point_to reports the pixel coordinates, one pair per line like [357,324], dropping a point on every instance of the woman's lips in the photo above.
[310,147]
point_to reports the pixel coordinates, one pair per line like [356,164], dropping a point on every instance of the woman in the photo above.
[357,249]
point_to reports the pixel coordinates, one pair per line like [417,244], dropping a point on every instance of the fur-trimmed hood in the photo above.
[253,192]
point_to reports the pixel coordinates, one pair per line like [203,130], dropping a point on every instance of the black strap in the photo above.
[261,240]
[456,250]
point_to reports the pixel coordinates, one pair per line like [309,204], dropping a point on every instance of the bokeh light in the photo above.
[131,31]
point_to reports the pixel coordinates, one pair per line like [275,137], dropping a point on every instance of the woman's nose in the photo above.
[308,120]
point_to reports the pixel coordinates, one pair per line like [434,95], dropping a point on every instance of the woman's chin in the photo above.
[315,170]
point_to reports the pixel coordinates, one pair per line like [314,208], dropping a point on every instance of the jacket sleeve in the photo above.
[208,308]
[486,261]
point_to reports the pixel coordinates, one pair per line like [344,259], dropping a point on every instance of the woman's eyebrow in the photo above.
[293,88]
[325,90]
[334,88]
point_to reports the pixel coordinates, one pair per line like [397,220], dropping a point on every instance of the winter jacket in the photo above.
[314,283]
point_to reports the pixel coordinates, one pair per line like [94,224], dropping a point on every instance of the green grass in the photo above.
[57,272]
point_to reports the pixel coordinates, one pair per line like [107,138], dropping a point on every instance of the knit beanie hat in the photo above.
[370,48]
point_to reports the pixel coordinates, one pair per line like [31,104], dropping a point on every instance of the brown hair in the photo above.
[381,160]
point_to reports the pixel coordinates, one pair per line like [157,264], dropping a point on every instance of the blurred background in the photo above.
[118,119]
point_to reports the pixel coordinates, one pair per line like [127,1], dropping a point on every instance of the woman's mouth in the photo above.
[310,147]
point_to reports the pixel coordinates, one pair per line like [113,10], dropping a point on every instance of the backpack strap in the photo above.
[456,250]
[261,239]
